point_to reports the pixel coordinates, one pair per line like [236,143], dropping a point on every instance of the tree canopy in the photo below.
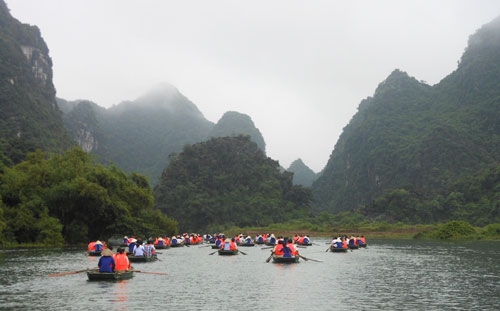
[228,181]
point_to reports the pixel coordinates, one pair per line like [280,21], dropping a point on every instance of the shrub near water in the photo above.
[454,230]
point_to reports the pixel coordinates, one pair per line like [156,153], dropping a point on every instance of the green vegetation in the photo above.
[227,182]
[416,153]
[69,198]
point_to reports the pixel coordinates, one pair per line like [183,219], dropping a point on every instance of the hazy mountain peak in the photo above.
[302,174]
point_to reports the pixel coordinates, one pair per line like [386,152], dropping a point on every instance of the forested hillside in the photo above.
[302,175]
[420,140]
[227,182]
[30,118]
[140,135]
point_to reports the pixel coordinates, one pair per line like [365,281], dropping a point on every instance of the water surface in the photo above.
[387,275]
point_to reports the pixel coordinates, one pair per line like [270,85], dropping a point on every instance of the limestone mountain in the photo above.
[233,123]
[302,174]
[417,137]
[30,118]
[140,135]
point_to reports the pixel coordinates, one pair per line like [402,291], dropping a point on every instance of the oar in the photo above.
[268,247]
[269,258]
[146,272]
[66,273]
[243,253]
[327,250]
[306,259]
[214,252]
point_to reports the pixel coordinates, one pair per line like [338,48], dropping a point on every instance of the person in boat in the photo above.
[293,248]
[362,240]
[248,240]
[139,249]
[121,260]
[98,246]
[106,262]
[272,239]
[306,240]
[230,245]
[149,249]
[174,241]
[125,240]
[296,239]
[353,242]
[132,245]
[91,246]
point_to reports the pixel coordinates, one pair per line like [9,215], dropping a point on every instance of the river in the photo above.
[387,275]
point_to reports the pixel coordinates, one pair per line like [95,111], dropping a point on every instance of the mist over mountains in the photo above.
[410,141]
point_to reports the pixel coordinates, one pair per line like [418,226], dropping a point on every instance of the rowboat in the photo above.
[215,246]
[224,252]
[162,246]
[362,245]
[95,275]
[246,244]
[353,246]
[94,253]
[133,258]
[338,249]
[282,259]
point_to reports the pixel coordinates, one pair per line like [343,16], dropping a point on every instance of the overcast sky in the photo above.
[299,69]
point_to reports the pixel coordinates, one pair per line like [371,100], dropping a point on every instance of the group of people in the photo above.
[111,262]
[285,247]
[136,247]
[344,241]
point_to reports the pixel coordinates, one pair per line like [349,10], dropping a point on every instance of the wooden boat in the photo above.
[224,252]
[215,246]
[95,275]
[133,258]
[362,245]
[94,253]
[338,249]
[162,246]
[246,244]
[282,259]
[353,246]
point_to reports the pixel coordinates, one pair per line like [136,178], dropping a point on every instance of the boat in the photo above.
[246,244]
[133,258]
[95,275]
[282,259]
[215,246]
[338,249]
[224,252]
[94,253]
[362,245]
[162,246]
[353,246]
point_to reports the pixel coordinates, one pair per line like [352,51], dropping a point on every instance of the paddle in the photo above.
[269,258]
[66,273]
[214,252]
[327,250]
[306,259]
[267,247]
[146,272]
[243,253]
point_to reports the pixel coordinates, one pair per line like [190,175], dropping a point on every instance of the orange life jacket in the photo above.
[91,246]
[121,261]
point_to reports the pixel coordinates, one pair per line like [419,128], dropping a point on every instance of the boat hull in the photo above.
[94,253]
[94,275]
[281,259]
[338,249]
[142,258]
[224,252]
